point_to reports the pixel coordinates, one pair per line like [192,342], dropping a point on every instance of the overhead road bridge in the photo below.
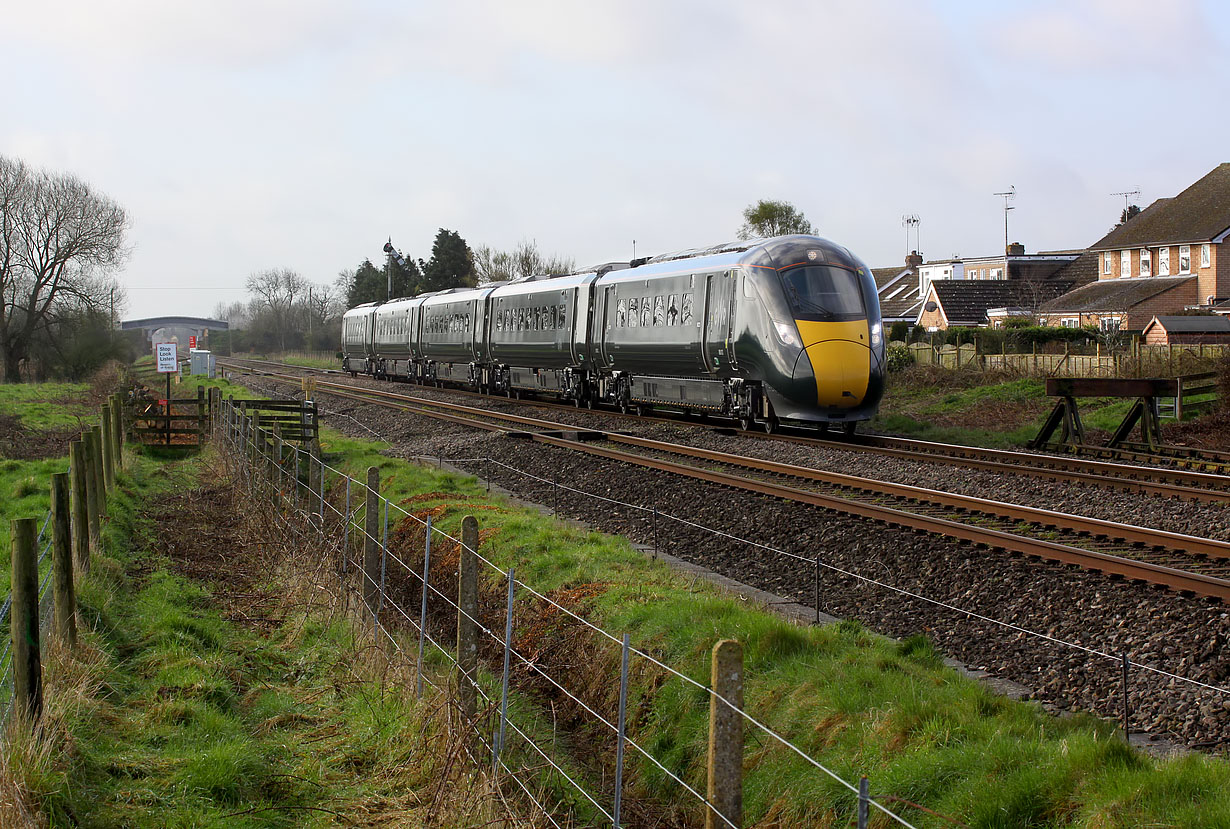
[197,326]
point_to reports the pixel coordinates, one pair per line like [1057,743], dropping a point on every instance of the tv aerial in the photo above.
[910,221]
[1008,195]
[1128,195]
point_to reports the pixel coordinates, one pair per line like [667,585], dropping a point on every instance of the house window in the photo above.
[973,274]
[1146,263]
[1185,258]
[1110,325]
[1106,262]
[997,273]
[1125,263]
[1205,256]
[1070,322]
[1163,262]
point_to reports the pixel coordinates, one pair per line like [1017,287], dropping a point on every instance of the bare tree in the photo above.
[59,244]
[275,293]
[524,260]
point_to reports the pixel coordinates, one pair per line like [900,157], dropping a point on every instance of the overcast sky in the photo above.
[249,135]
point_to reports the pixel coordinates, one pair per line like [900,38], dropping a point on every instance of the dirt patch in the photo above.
[18,442]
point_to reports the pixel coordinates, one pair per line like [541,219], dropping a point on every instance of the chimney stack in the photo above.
[1016,249]
[913,261]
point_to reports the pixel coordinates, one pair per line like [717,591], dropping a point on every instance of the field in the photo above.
[983,409]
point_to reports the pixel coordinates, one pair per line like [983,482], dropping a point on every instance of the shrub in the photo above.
[897,357]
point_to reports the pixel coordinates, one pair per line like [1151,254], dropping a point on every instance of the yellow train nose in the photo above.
[840,358]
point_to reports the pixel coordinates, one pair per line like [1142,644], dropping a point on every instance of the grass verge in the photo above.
[859,703]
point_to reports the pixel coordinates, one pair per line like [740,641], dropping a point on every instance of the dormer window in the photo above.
[1106,262]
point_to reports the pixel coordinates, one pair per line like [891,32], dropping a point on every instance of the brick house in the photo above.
[1114,304]
[1181,236]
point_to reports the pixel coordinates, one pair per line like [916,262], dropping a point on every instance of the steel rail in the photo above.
[1048,550]
[1163,481]
[1173,578]
[1189,544]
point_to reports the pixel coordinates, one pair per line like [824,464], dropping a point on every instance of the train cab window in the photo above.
[822,292]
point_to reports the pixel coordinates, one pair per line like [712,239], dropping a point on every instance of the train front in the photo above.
[825,316]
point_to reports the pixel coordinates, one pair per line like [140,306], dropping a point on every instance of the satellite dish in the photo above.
[930,306]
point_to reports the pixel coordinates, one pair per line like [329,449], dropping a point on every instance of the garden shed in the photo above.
[1188,330]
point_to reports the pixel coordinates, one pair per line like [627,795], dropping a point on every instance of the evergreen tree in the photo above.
[451,264]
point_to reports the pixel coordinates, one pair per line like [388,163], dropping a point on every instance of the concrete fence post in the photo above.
[467,623]
[371,546]
[62,561]
[27,659]
[81,521]
[725,791]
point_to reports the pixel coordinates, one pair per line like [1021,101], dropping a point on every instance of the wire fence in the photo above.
[411,609]
[1136,681]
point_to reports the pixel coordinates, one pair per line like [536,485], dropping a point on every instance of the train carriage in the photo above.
[358,352]
[538,335]
[452,336]
[395,328]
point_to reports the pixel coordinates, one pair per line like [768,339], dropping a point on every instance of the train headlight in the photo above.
[877,335]
[786,333]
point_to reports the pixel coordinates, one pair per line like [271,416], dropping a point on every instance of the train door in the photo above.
[719,299]
[606,323]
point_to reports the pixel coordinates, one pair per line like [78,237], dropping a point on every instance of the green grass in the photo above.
[859,703]
[47,405]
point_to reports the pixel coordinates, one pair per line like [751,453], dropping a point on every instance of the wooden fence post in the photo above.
[725,792]
[371,528]
[200,415]
[27,660]
[467,622]
[81,521]
[108,446]
[117,434]
[62,561]
[100,486]
[94,518]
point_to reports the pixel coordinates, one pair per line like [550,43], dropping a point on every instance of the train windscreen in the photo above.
[823,293]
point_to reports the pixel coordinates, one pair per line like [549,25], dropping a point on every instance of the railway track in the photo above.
[1209,485]
[1184,563]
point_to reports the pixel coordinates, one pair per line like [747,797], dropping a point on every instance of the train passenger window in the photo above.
[672,309]
[659,310]
[646,311]
[685,310]
[546,319]
[621,314]
[554,317]
[563,316]
[634,312]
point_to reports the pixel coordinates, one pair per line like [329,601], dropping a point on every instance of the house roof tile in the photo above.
[1114,294]
[1198,214]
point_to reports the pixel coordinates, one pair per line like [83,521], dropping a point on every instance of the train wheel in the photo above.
[772,425]
[747,423]
[625,407]
[849,428]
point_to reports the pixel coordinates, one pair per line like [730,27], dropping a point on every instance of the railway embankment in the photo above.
[239,677]
[873,701]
